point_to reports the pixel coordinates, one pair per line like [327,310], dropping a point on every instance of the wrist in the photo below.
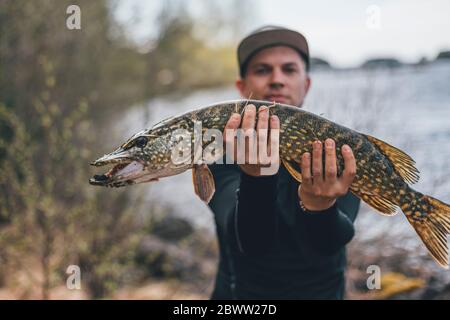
[317,204]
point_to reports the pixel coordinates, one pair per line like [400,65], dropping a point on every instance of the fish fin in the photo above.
[203,180]
[403,163]
[384,206]
[431,224]
[294,172]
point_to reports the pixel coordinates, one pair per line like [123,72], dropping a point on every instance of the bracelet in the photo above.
[307,210]
[302,205]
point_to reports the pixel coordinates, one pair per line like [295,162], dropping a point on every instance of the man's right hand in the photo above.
[264,145]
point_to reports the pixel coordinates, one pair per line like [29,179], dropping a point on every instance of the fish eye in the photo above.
[141,142]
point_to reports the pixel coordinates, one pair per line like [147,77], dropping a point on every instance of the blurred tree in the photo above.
[49,78]
[60,89]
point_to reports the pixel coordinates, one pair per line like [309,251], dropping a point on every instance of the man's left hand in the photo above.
[318,190]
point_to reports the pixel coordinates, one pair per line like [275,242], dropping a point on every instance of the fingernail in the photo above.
[346,148]
[235,116]
[250,107]
[329,143]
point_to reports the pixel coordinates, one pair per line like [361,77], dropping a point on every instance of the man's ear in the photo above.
[307,84]
[240,85]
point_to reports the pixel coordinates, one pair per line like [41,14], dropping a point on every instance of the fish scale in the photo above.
[382,178]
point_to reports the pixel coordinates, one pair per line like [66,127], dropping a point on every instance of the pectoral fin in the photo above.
[293,171]
[203,182]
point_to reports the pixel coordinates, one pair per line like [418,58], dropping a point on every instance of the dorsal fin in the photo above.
[403,164]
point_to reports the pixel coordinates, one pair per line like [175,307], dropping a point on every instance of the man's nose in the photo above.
[277,80]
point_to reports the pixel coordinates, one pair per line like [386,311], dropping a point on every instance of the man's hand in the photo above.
[318,190]
[262,144]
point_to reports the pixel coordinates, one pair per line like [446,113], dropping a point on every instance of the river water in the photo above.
[408,107]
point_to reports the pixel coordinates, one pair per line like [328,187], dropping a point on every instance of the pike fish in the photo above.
[383,176]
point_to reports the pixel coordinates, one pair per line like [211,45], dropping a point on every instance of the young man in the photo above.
[279,239]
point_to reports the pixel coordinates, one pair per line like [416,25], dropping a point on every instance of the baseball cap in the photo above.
[269,36]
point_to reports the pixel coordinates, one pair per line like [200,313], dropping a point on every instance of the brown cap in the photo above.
[270,36]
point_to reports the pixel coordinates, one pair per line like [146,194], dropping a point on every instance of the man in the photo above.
[279,239]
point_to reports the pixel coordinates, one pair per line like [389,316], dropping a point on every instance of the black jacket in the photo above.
[269,247]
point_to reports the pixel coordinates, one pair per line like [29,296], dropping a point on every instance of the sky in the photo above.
[345,33]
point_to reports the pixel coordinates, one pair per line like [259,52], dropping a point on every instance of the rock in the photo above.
[163,259]
[172,228]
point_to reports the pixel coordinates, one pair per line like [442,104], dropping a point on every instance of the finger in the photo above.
[263,118]
[249,119]
[232,124]
[317,168]
[247,139]
[350,166]
[306,170]
[272,164]
[330,161]
[262,128]
[274,135]
[229,136]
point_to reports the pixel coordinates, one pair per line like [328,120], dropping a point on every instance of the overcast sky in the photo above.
[343,32]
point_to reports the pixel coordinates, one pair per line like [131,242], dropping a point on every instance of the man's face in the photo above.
[275,74]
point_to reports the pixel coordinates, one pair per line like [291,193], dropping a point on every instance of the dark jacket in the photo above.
[269,247]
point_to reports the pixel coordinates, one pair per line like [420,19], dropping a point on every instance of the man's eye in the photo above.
[290,70]
[261,71]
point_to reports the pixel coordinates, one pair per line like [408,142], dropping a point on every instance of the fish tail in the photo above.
[431,220]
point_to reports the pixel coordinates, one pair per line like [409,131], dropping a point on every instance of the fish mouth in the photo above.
[109,179]
[124,173]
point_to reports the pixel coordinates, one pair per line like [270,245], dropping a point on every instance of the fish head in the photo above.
[145,157]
